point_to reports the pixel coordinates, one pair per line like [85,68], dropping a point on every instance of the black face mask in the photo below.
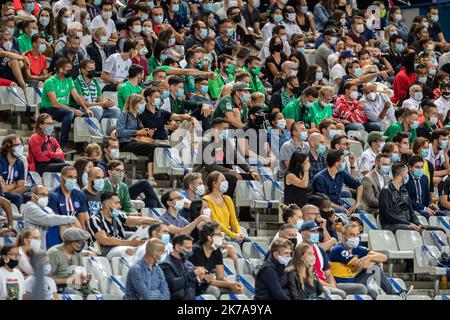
[342,8]
[326,214]
[294,241]
[237,18]
[74,50]
[67,74]
[12,263]
[186,255]
[297,91]
[278,47]
[259,120]
[91,74]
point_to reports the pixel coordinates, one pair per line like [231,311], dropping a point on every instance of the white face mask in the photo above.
[354,95]
[104,40]
[372,96]
[18,151]
[217,242]
[281,123]
[42,202]
[224,186]
[206,212]
[284,260]
[35,244]
[137,29]
[291,17]
[115,153]
[7,45]
[47,269]
[179,204]
[146,30]
[200,191]
[353,242]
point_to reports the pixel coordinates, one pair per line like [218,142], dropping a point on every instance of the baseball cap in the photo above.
[374,136]
[330,32]
[310,226]
[342,216]
[240,86]
[75,234]
[346,54]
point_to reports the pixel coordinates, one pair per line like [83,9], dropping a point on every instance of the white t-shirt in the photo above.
[443,105]
[291,28]
[439,158]
[98,22]
[367,160]
[411,103]
[24,263]
[12,284]
[49,286]
[337,72]
[117,67]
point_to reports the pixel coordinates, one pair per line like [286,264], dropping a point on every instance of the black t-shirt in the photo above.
[199,259]
[156,121]
[93,202]
[444,188]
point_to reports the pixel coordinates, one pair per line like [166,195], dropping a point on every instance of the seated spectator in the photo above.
[218,144]
[179,272]
[415,97]
[418,189]
[292,215]
[114,181]
[93,152]
[350,111]
[115,68]
[156,230]
[38,64]
[34,288]
[222,206]
[67,268]
[341,143]
[277,134]
[234,107]
[133,137]
[12,179]
[89,90]
[45,154]
[405,77]
[421,147]
[408,123]
[322,108]
[375,140]
[377,106]
[99,50]
[30,29]
[302,280]
[71,52]
[330,181]
[107,228]
[110,151]
[300,108]
[352,263]
[55,99]
[297,142]
[288,93]
[10,276]
[431,121]
[94,187]
[29,242]
[131,86]
[438,155]
[145,279]
[443,102]
[374,181]
[312,213]
[37,214]
[401,139]
[327,212]
[193,187]
[11,63]
[67,200]
[271,279]
[322,268]
[83,165]
[296,180]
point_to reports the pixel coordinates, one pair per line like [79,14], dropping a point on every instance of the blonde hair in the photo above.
[298,264]
[258,97]
[92,148]
[131,104]
[325,90]
[370,68]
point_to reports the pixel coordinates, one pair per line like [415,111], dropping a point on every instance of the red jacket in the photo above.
[352,111]
[40,153]
[402,82]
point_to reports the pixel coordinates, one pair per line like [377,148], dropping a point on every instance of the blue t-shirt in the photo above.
[13,173]
[62,206]
[340,257]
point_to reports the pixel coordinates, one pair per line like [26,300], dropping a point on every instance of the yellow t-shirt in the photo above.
[225,216]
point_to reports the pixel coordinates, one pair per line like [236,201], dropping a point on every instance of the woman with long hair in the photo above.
[46,26]
[314,78]
[83,165]
[275,59]
[28,241]
[44,153]
[296,180]
[302,280]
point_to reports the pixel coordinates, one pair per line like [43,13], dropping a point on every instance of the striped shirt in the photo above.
[113,229]
[146,283]
[88,91]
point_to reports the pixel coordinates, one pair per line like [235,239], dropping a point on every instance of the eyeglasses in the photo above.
[178,198]
[118,170]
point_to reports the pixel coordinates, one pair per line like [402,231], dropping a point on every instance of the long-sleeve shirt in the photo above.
[352,110]
[122,191]
[127,127]
[146,283]
[402,82]
[271,281]
[419,192]
[321,16]
[42,149]
[225,216]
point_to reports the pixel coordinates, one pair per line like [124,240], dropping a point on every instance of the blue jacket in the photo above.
[126,127]
[321,16]
[412,191]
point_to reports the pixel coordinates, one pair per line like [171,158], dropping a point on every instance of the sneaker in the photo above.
[152,182]
[406,293]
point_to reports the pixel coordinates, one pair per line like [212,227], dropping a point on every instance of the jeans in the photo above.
[65,117]
[101,113]
[17,199]
[373,126]
[354,126]
[143,186]
[439,213]
[366,275]
[399,226]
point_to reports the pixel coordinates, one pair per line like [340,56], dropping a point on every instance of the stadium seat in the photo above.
[408,240]
[108,125]
[69,297]
[443,222]
[418,297]
[435,238]
[112,95]
[426,259]
[358,297]
[248,282]
[35,178]
[249,266]
[7,240]
[168,161]
[229,267]
[254,250]
[273,191]
[118,286]
[237,247]
[250,193]
[398,284]
[100,269]
[119,266]
[335,297]
[369,222]
[422,220]
[388,297]
[231,296]
[205,297]
[442,297]
[51,179]
[360,135]
[152,212]
[87,129]
[102,297]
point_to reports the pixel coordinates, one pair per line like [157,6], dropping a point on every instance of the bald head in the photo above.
[39,191]
[96,173]
[310,212]
[316,138]
[154,247]
[369,87]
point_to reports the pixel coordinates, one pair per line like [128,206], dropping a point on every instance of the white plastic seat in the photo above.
[368,220]
[112,95]
[118,289]
[434,238]
[51,179]
[356,149]
[418,297]
[398,284]
[100,269]
[358,134]
[234,297]
[69,297]
[35,178]
[249,266]
[167,160]
[7,240]
[426,261]
[237,247]
[358,297]
[87,129]
[250,194]
[273,191]
[422,220]
[152,212]
[229,266]
[254,250]
[108,125]
[205,297]
[384,241]
[388,297]
[248,282]
[335,297]
[442,297]
[443,222]
[408,240]
[119,266]
[102,297]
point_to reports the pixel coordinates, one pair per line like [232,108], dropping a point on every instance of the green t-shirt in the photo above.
[226,104]
[126,90]
[24,43]
[215,85]
[294,110]
[256,84]
[397,127]
[318,113]
[60,87]
[165,68]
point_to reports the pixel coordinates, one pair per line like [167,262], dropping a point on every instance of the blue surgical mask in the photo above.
[70,184]
[172,42]
[385,169]
[332,133]
[204,89]
[30,6]
[346,153]
[443,145]
[319,76]
[165,94]
[99,184]
[158,19]
[246,97]
[423,79]
[85,179]
[141,108]
[406,179]
[203,33]
[277,18]
[165,238]
[358,72]
[314,238]
[175,7]
[48,130]
[223,134]
[299,224]
[115,213]
[414,125]
[208,6]
[417,173]
[301,50]
[180,93]
[156,102]
[230,32]
[425,153]
[144,17]
[399,48]
[395,157]
[304,135]
[342,167]
[162,258]
[163,57]
[321,149]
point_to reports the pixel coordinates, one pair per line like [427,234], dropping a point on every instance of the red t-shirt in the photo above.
[18,6]
[37,64]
